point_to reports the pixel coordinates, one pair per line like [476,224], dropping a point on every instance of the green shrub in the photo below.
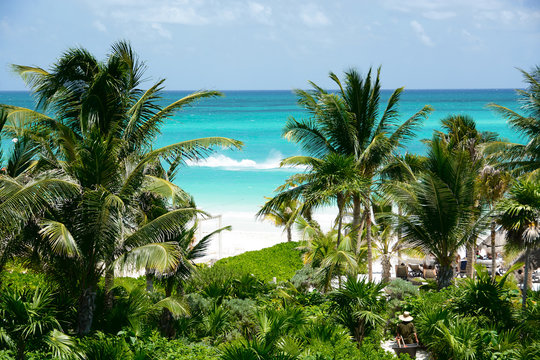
[345,349]
[400,289]
[163,349]
[280,261]
[307,277]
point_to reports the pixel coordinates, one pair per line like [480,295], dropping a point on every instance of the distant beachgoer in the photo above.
[406,329]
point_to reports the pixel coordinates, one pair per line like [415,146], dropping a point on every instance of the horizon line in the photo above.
[390,89]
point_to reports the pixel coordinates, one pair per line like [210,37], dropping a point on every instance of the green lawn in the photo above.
[280,261]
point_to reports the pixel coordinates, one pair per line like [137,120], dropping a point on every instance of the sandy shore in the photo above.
[247,233]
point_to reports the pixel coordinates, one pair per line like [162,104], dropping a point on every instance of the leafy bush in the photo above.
[280,261]
[400,289]
[343,349]
[307,277]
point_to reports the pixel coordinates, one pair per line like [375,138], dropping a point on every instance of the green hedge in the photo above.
[280,261]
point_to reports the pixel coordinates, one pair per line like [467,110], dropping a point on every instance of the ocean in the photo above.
[235,183]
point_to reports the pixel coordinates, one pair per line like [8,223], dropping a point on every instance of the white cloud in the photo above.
[161,31]
[227,163]
[311,15]
[421,33]
[99,25]
[260,12]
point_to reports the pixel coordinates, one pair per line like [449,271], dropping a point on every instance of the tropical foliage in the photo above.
[85,196]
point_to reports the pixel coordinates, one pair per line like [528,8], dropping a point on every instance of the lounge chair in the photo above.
[401,271]
[430,274]
[463,268]
[415,270]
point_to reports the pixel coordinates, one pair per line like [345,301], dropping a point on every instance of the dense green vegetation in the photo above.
[84,195]
[280,261]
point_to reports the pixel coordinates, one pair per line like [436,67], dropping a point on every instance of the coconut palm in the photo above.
[461,134]
[400,168]
[351,123]
[284,216]
[439,214]
[321,252]
[520,217]
[100,135]
[333,178]
[491,186]
[522,158]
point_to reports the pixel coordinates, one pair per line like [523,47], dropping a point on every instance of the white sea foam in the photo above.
[227,163]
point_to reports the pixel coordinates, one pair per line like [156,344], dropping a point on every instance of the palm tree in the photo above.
[351,123]
[439,214]
[492,184]
[101,136]
[191,250]
[461,134]
[332,178]
[401,168]
[520,217]
[284,216]
[522,158]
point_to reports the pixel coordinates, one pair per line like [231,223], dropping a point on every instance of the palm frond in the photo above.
[59,237]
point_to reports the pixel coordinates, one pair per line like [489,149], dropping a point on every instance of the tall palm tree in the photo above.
[520,216]
[461,134]
[439,214]
[351,123]
[401,168]
[492,184]
[100,134]
[523,158]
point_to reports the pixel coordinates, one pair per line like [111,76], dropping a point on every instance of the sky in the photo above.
[283,44]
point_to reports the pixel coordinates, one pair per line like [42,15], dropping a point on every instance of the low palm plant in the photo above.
[331,260]
[487,297]
[216,323]
[358,305]
[28,321]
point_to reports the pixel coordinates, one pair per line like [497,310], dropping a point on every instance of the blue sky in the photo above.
[280,44]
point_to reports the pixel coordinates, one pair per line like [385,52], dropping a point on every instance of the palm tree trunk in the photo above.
[369,245]
[386,266]
[149,280]
[21,349]
[341,204]
[289,233]
[109,283]
[85,316]
[399,235]
[526,278]
[357,209]
[470,259]
[359,235]
[166,321]
[493,255]
[444,276]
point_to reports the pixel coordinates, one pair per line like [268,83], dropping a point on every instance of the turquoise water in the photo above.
[239,180]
